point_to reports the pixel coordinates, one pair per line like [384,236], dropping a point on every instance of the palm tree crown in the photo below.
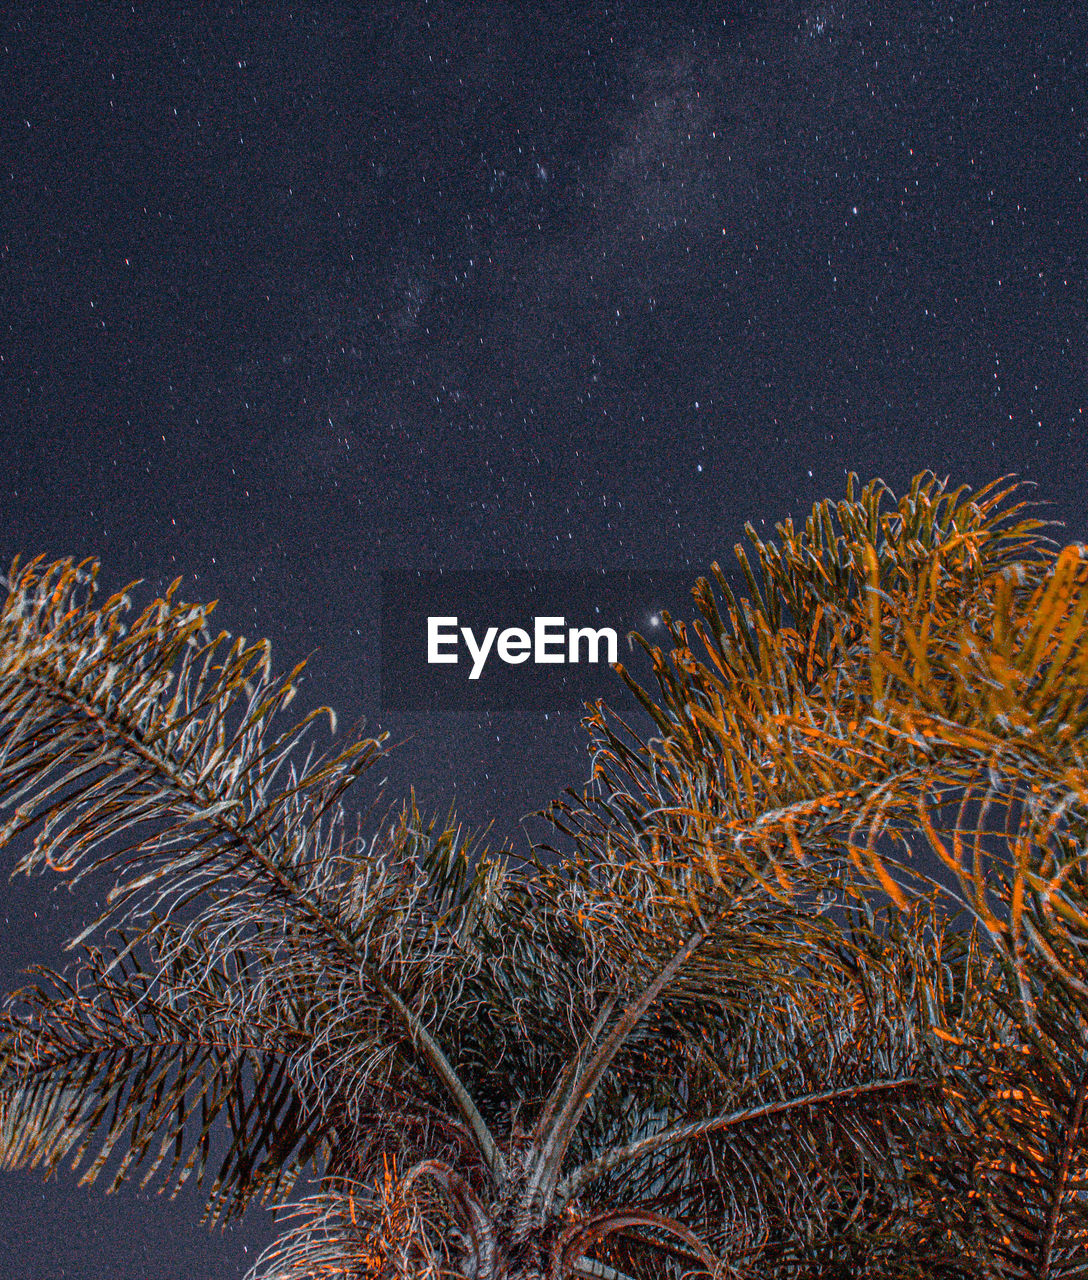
[722,1027]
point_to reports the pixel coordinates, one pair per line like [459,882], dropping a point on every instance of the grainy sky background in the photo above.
[294,295]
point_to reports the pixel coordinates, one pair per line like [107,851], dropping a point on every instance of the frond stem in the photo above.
[1069,1144]
[584,1085]
[237,837]
[680,1133]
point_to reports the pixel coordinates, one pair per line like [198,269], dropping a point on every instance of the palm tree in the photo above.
[690,1041]
[905,688]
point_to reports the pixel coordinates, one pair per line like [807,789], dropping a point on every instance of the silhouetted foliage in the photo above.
[731,1027]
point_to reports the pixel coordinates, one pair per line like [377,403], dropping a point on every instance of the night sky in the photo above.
[292,296]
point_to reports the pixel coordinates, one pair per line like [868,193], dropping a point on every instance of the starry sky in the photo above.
[292,296]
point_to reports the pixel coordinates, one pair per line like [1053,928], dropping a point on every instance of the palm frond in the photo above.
[727,1029]
[113,1059]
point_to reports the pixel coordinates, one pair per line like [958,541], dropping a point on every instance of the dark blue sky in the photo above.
[296,296]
